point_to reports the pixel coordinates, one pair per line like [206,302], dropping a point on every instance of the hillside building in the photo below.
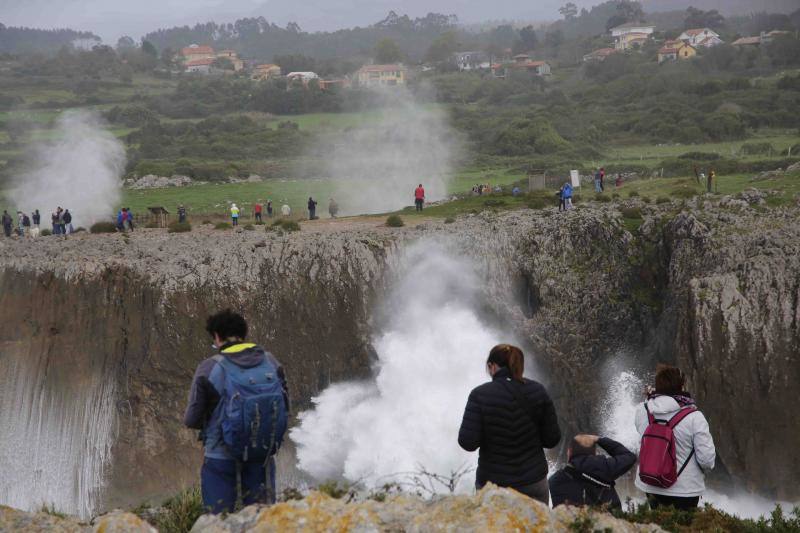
[472,61]
[599,55]
[199,66]
[676,49]
[265,71]
[233,57]
[521,63]
[381,75]
[195,52]
[631,35]
[705,37]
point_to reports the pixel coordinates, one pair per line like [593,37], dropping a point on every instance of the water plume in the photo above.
[80,171]
[376,164]
[431,353]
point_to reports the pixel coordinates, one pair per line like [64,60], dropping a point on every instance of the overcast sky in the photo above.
[113,18]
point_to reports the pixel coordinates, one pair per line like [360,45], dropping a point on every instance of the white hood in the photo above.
[691,433]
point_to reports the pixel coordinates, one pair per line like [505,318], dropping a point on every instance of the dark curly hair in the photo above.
[227,324]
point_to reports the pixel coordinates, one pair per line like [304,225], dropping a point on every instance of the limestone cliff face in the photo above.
[129,313]
[737,293]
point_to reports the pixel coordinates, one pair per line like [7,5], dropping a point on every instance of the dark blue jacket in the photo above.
[204,409]
[511,441]
[589,479]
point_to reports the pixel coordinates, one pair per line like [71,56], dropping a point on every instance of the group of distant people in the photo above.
[510,420]
[259,208]
[30,225]
[125,220]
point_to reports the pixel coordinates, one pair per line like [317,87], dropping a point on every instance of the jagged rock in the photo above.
[768,174]
[113,522]
[121,522]
[795,167]
[753,196]
[491,509]
[158,182]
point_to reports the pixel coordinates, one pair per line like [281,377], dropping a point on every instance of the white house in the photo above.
[701,37]
[472,60]
[630,34]
[302,77]
[199,66]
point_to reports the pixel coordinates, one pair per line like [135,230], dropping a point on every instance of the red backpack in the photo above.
[658,459]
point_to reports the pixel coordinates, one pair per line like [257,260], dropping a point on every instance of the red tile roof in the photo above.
[196,50]
[747,40]
[695,31]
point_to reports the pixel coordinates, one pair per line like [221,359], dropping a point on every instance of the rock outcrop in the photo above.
[114,522]
[492,509]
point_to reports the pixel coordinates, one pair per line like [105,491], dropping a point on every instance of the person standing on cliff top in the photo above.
[257,211]
[234,215]
[8,222]
[419,197]
[239,401]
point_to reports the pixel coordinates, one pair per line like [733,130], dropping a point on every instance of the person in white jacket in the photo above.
[693,441]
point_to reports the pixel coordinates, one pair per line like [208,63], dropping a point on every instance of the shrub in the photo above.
[249,227]
[662,200]
[631,212]
[684,192]
[394,221]
[79,229]
[602,198]
[179,513]
[151,225]
[646,199]
[540,202]
[103,227]
[179,227]
[284,224]
[222,225]
[207,223]
[633,194]
[492,202]
[449,220]
[46,232]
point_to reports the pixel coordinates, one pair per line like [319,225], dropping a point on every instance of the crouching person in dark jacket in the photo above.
[241,374]
[511,419]
[588,478]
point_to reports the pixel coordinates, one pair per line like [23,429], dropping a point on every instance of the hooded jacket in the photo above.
[511,441]
[204,411]
[569,486]
[691,433]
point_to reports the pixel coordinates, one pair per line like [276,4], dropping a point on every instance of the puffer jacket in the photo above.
[511,442]
[692,432]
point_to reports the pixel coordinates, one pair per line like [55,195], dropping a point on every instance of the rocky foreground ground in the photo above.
[493,509]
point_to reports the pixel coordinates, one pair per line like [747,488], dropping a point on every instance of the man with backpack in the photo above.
[677,448]
[8,222]
[240,403]
[588,478]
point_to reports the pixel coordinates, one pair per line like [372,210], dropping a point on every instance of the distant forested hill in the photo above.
[726,7]
[29,40]
[259,38]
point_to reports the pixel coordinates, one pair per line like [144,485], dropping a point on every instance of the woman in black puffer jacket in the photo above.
[511,419]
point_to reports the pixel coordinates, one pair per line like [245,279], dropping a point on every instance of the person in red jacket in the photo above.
[419,197]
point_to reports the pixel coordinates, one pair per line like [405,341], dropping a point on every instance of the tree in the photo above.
[528,38]
[387,51]
[295,63]
[626,11]
[223,63]
[554,38]
[149,49]
[697,18]
[125,43]
[569,11]
[443,48]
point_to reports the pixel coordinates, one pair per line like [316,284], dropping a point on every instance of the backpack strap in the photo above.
[680,415]
[650,418]
[674,421]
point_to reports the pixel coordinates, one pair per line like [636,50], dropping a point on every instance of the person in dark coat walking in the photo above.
[588,478]
[511,419]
